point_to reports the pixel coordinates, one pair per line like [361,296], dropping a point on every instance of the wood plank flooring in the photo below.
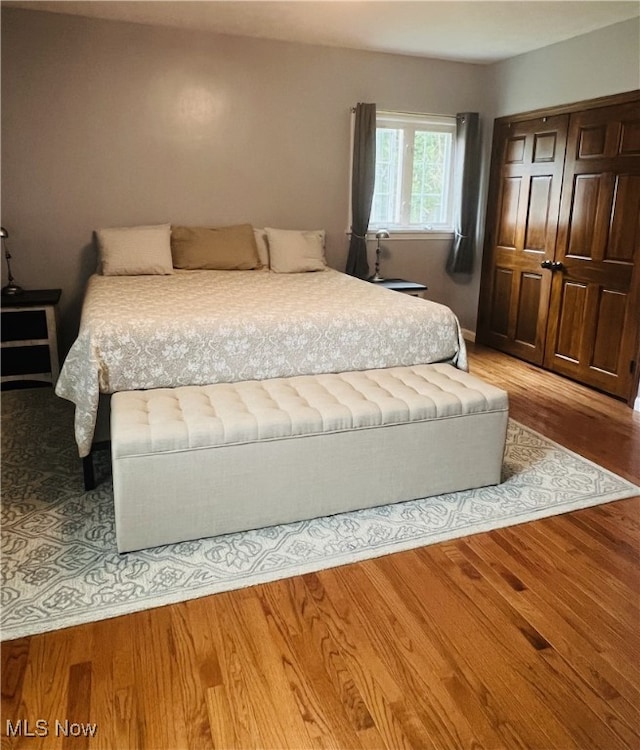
[525,637]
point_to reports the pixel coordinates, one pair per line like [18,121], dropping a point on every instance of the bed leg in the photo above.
[88,472]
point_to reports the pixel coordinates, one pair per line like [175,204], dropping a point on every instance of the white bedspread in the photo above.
[201,327]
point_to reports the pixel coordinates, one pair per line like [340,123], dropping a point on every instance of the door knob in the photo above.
[552,265]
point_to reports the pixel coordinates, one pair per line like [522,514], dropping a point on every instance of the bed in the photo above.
[208,326]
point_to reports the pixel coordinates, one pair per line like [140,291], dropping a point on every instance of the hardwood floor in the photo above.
[526,637]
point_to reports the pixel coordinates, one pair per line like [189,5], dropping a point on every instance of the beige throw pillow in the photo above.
[133,251]
[230,248]
[292,251]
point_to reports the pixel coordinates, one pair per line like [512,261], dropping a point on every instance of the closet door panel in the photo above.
[508,217]
[537,230]
[570,316]
[528,309]
[609,330]
[501,302]
[625,220]
[598,249]
[522,233]
[584,222]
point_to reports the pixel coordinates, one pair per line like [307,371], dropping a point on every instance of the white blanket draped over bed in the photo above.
[201,327]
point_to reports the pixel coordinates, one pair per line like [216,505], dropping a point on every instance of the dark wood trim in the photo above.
[564,109]
[486,283]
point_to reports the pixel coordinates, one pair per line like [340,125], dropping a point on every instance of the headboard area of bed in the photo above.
[173,326]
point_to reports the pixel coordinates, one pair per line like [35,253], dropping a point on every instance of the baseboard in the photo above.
[636,404]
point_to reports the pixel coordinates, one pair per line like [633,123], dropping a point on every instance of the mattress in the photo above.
[205,327]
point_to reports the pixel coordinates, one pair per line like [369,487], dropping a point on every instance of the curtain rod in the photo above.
[410,114]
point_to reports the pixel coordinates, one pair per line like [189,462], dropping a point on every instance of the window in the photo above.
[414,173]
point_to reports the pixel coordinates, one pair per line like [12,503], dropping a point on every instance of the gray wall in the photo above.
[601,63]
[110,124]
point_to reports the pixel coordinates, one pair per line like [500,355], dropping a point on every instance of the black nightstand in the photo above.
[400,285]
[29,337]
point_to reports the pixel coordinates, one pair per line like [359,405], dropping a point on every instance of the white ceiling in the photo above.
[477,31]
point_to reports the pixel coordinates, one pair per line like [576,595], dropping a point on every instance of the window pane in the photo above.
[414,172]
[430,179]
[386,198]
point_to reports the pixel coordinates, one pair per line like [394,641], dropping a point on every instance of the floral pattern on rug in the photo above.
[60,566]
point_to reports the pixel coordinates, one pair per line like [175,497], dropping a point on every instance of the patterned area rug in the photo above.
[60,566]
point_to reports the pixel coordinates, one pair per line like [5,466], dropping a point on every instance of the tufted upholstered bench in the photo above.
[198,461]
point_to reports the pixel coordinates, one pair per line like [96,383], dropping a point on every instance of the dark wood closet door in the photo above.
[595,306]
[527,176]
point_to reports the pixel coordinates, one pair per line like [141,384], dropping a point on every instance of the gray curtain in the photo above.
[462,251]
[362,184]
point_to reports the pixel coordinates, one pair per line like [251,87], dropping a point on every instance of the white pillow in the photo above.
[263,247]
[293,251]
[134,251]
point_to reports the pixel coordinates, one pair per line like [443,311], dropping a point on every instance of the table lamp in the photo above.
[381,234]
[12,288]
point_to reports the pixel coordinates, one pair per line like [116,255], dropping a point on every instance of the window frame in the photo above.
[410,122]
